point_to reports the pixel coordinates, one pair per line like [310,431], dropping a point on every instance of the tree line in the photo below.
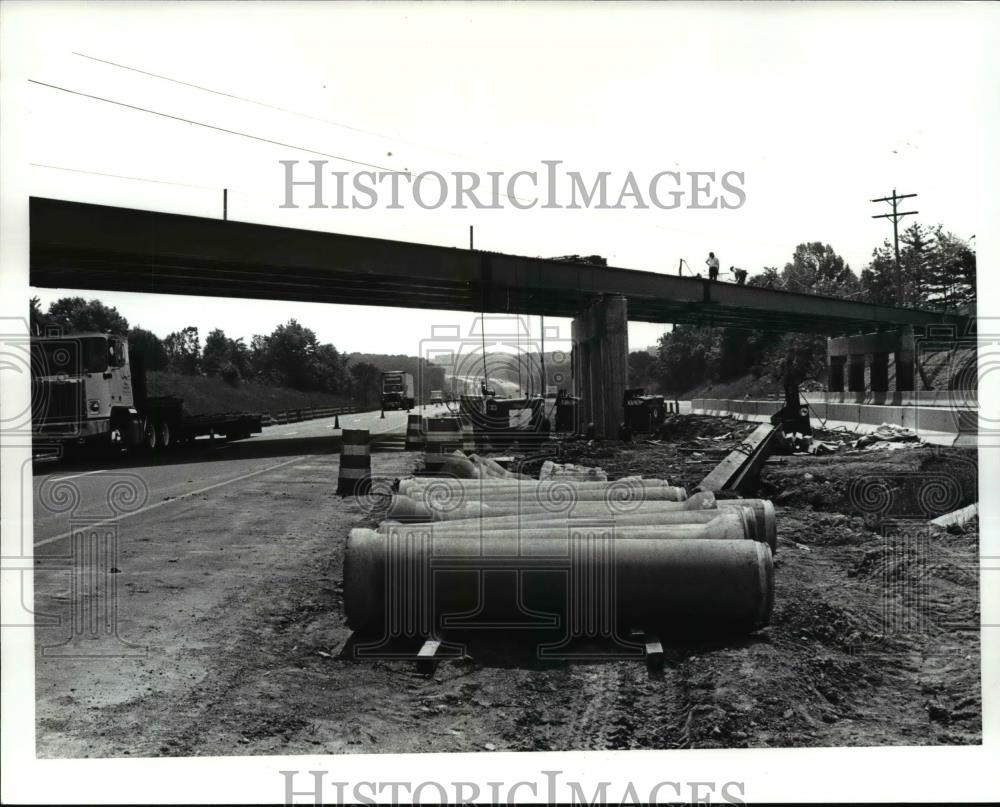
[290,356]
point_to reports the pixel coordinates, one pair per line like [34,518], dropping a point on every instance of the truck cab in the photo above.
[82,387]
[397,390]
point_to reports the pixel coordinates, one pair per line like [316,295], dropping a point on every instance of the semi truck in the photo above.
[88,390]
[397,390]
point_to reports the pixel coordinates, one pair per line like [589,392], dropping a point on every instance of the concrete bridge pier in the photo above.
[880,362]
[600,363]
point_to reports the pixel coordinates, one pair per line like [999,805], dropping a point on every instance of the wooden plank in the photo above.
[427,657]
[740,463]
[654,651]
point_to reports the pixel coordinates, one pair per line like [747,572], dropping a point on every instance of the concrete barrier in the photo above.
[939,424]
[443,434]
[415,433]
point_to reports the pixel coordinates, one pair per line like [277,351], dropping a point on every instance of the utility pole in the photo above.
[545,378]
[896,215]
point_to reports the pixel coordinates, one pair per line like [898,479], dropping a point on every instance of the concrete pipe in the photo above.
[652,512]
[731,524]
[455,465]
[474,484]
[535,521]
[767,523]
[550,494]
[490,469]
[396,586]
[445,505]
[756,528]
[505,512]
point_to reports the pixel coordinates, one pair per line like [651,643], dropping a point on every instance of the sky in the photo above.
[820,108]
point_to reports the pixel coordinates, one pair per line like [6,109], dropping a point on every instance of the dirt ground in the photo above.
[874,637]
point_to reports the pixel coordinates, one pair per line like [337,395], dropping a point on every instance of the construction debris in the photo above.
[555,470]
[888,436]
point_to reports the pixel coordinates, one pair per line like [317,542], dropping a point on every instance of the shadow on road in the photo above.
[199,451]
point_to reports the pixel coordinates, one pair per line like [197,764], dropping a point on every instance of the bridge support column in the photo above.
[877,372]
[902,362]
[600,363]
[837,366]
[856,372]
[901,371]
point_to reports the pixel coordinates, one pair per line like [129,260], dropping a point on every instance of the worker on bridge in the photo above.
[739,274]
[713,266]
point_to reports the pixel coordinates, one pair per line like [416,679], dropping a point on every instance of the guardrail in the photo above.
[305,413]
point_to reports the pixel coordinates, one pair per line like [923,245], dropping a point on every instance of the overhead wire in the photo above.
[263,104]
[216,128]
[267,140]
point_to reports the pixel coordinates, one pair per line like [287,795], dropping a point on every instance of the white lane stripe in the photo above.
[74,476]
[55,538]
[289,434]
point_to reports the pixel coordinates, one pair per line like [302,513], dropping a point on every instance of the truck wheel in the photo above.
[149,436]
[164,435]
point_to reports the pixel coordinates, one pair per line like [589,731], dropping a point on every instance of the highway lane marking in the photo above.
[74,476]
[123,516]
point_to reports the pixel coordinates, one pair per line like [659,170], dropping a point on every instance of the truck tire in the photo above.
[164,435]
[150,437]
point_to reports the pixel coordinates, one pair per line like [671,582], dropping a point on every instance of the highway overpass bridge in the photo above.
[85,246]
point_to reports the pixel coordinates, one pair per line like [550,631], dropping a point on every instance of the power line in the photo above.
[120,176]
[896,215]
[264,104]
[214,127]
[91,96]
[645,227]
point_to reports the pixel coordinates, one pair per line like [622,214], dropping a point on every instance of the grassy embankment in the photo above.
[204,395]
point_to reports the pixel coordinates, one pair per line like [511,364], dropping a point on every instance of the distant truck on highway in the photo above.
[88,390]
[397,390]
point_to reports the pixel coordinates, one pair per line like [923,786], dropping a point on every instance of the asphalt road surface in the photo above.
[66,493]
[130,553]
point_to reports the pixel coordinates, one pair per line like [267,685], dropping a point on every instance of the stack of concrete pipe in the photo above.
[554,470]
[675,561]
[460,465]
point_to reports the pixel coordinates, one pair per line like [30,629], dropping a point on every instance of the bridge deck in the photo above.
[86,246]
